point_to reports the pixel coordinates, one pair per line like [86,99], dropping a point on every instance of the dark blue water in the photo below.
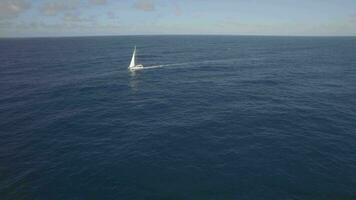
[218,117]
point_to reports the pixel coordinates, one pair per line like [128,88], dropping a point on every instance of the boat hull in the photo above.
[136,67]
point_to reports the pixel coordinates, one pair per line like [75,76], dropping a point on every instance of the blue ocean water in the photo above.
[213,117]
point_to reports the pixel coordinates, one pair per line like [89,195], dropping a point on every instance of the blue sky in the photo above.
[25,18]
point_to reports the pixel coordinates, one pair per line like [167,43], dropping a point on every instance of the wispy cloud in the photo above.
[111,15]
[352,17]
[177,10]
[144,5]
[76,18]
[12,8]
[98,2]
[56,7]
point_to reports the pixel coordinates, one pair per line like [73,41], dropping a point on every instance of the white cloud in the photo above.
[12,8]
[144,5]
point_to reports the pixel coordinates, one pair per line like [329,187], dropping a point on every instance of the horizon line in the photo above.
[133,35]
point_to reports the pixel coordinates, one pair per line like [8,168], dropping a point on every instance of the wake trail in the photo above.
[165,65]
[188,63]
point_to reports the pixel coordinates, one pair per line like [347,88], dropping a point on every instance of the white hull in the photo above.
[136,67]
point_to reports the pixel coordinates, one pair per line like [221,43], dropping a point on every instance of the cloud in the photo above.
[75,17]
[144,5]
[72,18]
[64,28]
[98,2]
[54,8]
[12,8]
[352,18]
[177,10]
[111,15]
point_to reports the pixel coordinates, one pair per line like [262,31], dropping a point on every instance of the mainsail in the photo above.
[133,65]
[133,59]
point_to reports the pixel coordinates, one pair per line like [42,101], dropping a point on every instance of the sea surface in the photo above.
[210,118]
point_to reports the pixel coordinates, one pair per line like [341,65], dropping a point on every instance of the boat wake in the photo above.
[189,63]
[165,65]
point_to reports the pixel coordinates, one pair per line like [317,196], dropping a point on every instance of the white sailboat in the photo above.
[133,65]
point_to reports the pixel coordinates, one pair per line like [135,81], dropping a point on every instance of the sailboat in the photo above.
[133,65]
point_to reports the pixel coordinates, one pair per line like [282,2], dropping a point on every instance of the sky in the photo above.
[52,18]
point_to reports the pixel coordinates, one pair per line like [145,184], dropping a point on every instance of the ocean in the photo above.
[210,118]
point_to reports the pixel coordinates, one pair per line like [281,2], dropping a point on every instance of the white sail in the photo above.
[133,59]
[133,65]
